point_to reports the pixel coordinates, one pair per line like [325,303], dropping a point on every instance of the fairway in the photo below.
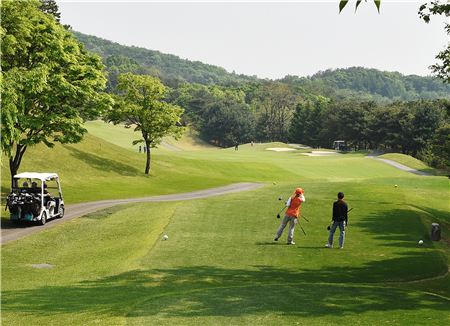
[220,265]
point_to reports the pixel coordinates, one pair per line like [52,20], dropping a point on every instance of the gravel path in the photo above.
[10,232]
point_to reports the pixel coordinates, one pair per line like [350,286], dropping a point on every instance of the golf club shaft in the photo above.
[302,229]
[304,217]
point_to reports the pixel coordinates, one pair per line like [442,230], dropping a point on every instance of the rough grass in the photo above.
[409,161]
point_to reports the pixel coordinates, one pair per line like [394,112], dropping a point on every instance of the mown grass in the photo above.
[409,161]
[220,264]
[124,137]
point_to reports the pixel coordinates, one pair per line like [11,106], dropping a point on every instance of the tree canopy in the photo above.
[49,82]
[140,104]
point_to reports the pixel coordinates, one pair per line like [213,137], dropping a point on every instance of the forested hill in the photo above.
[372,84]
[363,83]
[168,67]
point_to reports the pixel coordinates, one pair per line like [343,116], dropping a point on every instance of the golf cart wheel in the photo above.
[43,219]
[61,211]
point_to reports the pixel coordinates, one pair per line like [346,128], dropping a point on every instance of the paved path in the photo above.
[400,166]
[10,232]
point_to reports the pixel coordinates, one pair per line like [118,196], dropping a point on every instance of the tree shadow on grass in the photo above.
[104,164]
[214,291]
[211,291]
[403,226]
[442,217]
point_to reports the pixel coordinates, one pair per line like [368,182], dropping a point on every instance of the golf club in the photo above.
[278,215]
[304,217]
[302,229]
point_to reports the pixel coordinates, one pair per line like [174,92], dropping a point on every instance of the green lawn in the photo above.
[220,264]
[121,136]
[409,161]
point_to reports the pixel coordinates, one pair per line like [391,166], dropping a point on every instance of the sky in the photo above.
[268,39]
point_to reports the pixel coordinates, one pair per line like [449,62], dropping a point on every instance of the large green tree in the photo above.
[227,123]
[275,104]
[49,82]
[308,123]
[50,7]
[442,67]
[140,104]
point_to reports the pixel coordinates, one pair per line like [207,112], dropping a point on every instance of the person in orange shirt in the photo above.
[291,216]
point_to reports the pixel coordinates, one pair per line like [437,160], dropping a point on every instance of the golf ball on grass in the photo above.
[165,237]
[420,242]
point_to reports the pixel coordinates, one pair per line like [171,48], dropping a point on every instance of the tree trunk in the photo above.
[13,171]
[14,162]
[147,164]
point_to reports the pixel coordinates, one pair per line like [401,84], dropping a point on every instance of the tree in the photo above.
[428,118]
[140,104]
[343,3]
[441,69]
[440,147]
[227,123]
[50,7]
[307,123]
[275,103]
[116,65]
[49,82]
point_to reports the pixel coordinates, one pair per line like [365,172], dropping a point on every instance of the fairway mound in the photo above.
[299,146]
[321,153]
[280,149]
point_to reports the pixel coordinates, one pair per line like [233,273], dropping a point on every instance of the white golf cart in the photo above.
[31,199]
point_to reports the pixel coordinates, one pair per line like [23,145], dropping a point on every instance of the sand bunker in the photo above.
[321,153]
[280,149]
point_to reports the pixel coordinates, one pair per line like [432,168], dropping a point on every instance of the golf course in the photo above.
[220,265]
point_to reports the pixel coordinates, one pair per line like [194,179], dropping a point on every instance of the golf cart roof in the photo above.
[36,175]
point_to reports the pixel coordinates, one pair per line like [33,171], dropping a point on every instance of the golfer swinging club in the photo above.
[340,218]
[293,209]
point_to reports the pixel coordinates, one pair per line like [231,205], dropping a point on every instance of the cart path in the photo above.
[10,232]
[400,166]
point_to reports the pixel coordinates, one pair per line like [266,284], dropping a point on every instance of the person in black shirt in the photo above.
[340,219]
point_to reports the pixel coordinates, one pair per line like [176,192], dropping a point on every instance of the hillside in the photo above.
[370,84]
[123,137]
[168,67]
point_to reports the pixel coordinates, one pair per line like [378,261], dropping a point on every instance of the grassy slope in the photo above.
[409,161]
[220,265]
[124,137]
